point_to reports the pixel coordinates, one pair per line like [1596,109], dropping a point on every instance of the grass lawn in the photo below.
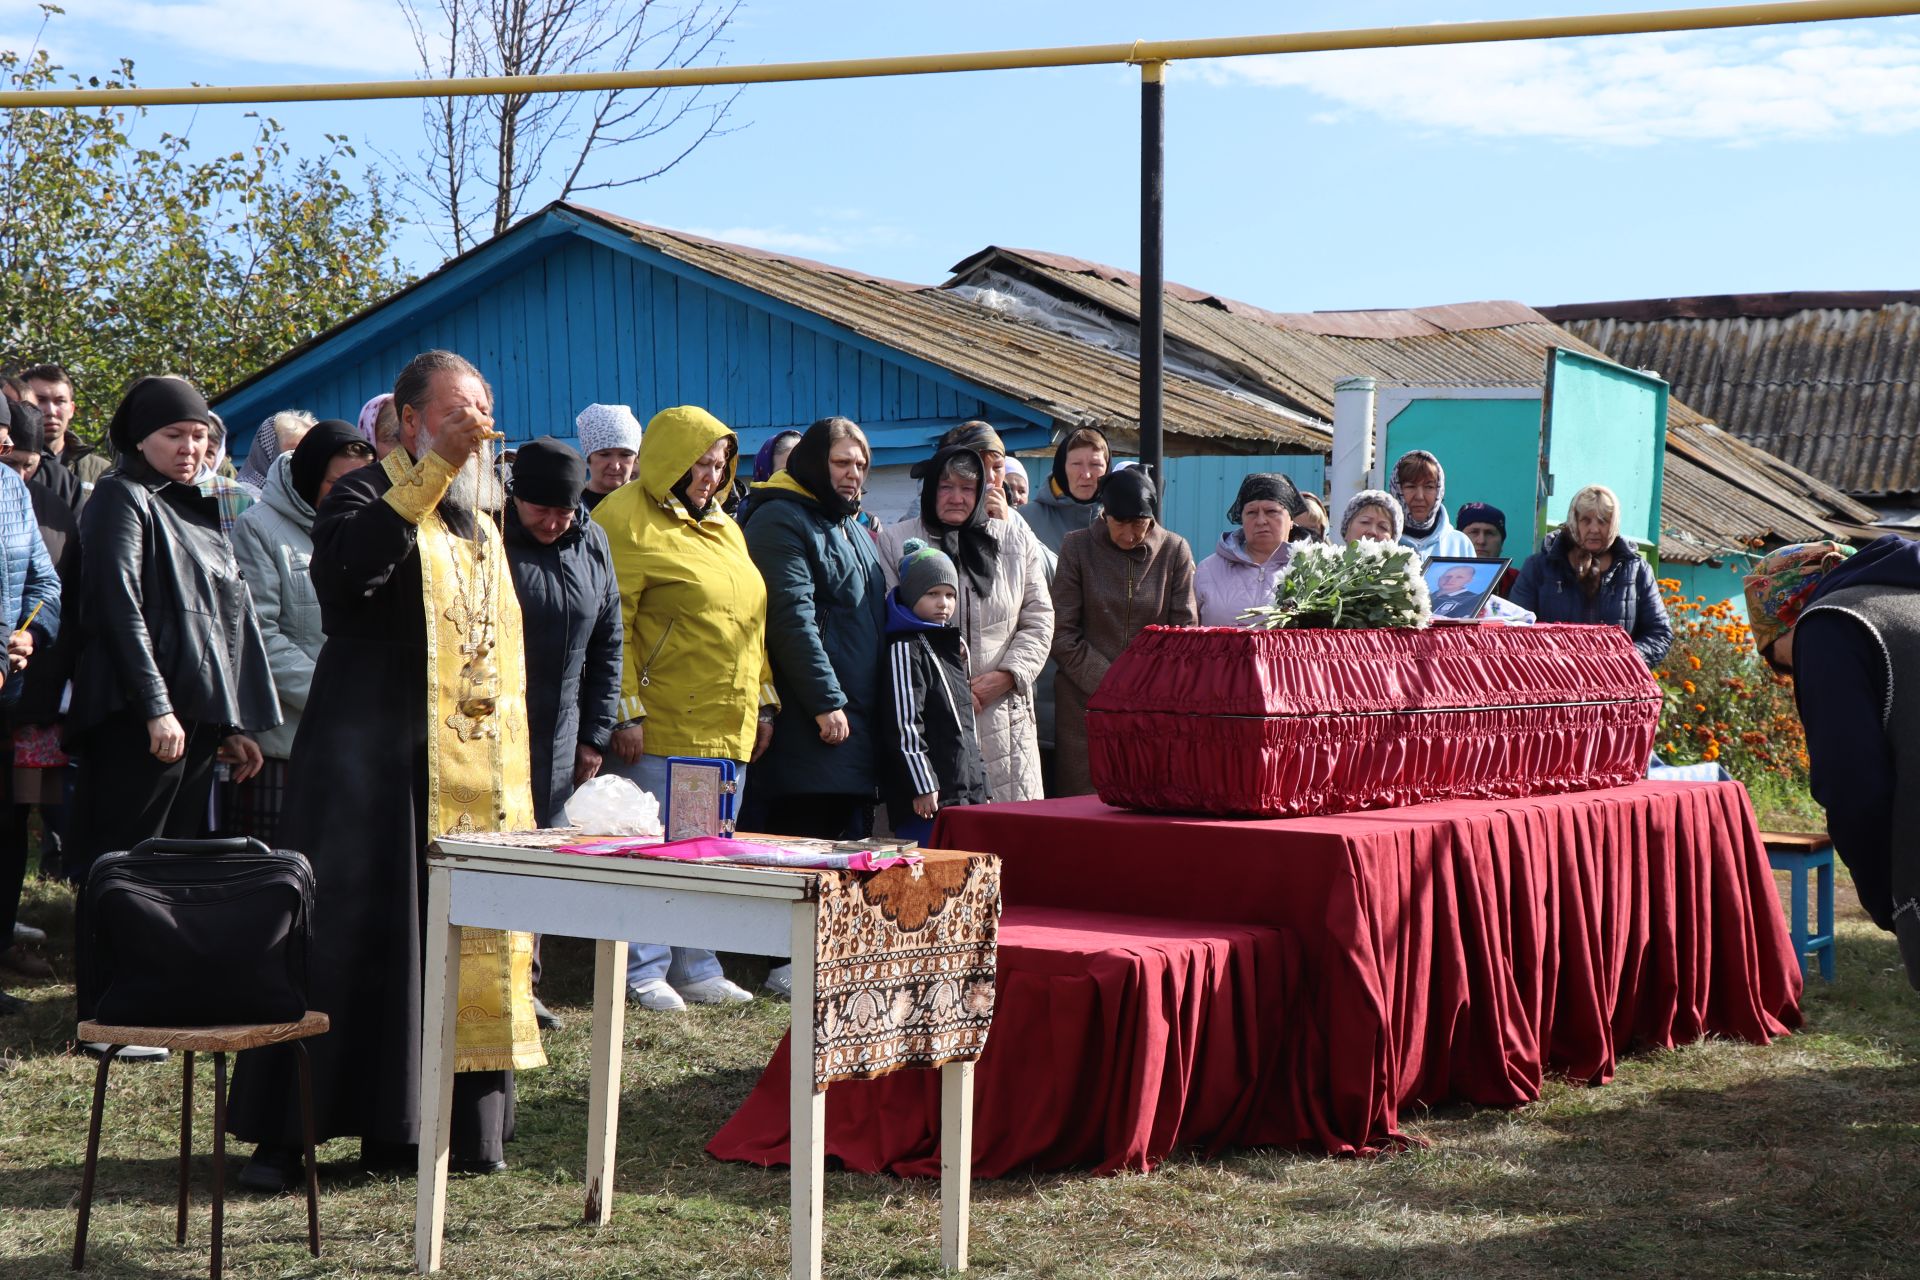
[1719,1159]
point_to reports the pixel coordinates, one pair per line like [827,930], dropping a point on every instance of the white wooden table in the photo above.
[758,911]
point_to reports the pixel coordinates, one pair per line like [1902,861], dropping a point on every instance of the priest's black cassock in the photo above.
[358,805]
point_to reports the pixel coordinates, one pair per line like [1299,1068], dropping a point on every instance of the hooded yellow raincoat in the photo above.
[692,602]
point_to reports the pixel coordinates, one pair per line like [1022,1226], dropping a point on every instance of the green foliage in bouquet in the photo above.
[1363,584]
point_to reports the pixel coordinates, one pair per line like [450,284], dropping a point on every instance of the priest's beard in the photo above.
[474,487]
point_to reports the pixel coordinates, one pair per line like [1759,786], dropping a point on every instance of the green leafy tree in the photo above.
[121,257]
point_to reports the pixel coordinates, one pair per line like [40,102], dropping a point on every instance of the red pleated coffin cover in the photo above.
[1280,724]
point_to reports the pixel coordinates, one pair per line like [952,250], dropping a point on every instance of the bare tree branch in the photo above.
[483,161]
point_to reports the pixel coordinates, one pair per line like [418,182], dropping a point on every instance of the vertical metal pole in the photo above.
[1153,272]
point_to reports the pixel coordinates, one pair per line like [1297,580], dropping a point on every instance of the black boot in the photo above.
[272,1169]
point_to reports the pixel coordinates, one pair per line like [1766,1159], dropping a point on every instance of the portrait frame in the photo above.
[1485,576]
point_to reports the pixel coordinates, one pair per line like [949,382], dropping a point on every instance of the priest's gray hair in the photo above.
[414,386]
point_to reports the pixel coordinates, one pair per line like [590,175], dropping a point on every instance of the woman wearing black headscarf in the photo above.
[826,624]
[1006,611]
[1124,574]
[273,544]
[1068,500]
[173,670]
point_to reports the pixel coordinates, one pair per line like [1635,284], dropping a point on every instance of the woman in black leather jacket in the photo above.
[173,670]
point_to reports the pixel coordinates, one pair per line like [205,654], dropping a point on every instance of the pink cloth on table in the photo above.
[717,849]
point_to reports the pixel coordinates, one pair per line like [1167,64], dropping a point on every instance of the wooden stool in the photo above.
[219,1041]
[1797,854]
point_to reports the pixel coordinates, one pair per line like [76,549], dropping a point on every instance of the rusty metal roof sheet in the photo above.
[1720,494]
[1071,382]
[1824,381]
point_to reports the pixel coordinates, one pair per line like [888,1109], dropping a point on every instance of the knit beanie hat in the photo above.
[1782,583]
[1373,498]
[1129,494]
[1265,486]
[607,426]
[923,567]
[1481,513]
[548,473]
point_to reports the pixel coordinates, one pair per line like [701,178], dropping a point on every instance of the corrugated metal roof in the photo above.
[1719,493]
[1824,381]
[1070,381]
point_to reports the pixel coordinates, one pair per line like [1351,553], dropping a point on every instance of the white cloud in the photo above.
[775,239]
[366,38]
[818,242]
[1738,90]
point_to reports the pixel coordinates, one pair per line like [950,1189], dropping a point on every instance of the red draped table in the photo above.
[1458,950]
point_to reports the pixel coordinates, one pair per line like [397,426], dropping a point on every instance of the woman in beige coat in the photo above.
[1006,613]
[1123,574]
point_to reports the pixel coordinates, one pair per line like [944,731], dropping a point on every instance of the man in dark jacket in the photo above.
[1848,627]
[570,611]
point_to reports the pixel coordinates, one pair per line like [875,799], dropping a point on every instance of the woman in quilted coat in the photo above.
[1005,613]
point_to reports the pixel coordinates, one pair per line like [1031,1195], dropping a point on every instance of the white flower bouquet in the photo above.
[1363,584]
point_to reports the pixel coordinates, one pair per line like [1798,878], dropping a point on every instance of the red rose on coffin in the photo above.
[1287,723]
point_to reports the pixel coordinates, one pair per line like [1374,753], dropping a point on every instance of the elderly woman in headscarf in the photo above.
[1588,572]
[273,544]
[1847,626]
[1243,568]
[1373,514]
[1420,485]
[173,670]
[769,458]
[1124,574]
[380,425]
[1005,609]
[276,435]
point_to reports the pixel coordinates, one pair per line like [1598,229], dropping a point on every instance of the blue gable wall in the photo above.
[557,317]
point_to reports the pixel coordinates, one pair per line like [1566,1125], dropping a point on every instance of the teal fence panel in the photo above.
[1606,424]
[1490,449]
[1200,489]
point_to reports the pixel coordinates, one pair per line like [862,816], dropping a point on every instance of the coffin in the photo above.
[1278,724]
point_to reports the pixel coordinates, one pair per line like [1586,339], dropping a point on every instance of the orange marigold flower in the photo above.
[1687,685]
[1693,661]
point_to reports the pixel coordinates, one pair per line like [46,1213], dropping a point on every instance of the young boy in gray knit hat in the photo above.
[930,751]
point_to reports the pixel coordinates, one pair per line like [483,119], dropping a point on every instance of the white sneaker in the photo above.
[715,990]
[27,933]
[128,1052]
[657,996]
[779,982]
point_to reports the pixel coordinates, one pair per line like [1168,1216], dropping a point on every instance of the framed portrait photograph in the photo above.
[1460,587]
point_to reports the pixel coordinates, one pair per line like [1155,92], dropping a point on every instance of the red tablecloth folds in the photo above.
[1116,1040]
[1283,723]
[1457,950]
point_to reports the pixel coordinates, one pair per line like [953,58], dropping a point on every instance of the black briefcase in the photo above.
[196,933]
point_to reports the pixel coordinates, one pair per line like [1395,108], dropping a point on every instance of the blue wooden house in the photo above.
[573,306]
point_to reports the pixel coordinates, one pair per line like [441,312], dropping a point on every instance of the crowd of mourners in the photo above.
[168,616]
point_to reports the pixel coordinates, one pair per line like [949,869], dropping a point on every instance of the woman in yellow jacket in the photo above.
[695,680]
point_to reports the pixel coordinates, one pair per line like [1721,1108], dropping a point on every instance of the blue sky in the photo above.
[1549,172]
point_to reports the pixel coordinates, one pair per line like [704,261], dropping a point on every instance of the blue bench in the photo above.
[1799,854]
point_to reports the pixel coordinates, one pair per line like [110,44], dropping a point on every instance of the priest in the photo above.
[416,726]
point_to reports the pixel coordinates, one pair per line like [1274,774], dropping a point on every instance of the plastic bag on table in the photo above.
[613,806]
